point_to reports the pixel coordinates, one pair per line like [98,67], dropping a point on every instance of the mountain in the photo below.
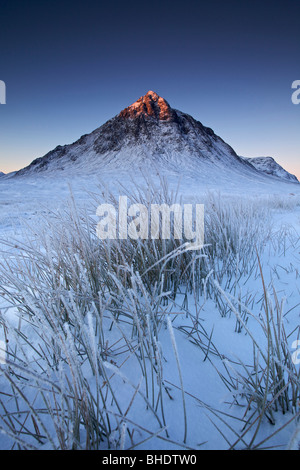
[148,134]
[270,167]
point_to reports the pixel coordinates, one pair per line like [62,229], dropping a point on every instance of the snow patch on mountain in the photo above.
[149,135]
[270,167]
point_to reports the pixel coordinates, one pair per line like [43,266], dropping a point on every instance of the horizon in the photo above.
[69,69]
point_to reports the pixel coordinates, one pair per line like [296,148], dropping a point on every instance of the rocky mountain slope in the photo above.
[148,134]
[270,167]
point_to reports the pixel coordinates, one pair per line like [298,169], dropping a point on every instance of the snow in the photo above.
[269,166]
[176,383]
[25,201]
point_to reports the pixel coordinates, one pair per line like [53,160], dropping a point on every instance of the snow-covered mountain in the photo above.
[270,167]
[148,134]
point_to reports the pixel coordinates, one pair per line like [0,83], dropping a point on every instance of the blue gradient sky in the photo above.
[70,66]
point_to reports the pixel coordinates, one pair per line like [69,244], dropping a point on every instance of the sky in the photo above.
[69,66]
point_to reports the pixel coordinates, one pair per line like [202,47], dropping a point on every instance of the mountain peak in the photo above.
[150,106]
[152,95]
[150,134]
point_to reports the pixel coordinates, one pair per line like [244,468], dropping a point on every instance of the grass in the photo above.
[88,316]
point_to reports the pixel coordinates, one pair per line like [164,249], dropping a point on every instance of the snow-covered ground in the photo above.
[211,410]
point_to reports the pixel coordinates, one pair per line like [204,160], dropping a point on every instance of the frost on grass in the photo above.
[144,344]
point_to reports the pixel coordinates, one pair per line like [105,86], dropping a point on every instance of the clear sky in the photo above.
[71,65]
